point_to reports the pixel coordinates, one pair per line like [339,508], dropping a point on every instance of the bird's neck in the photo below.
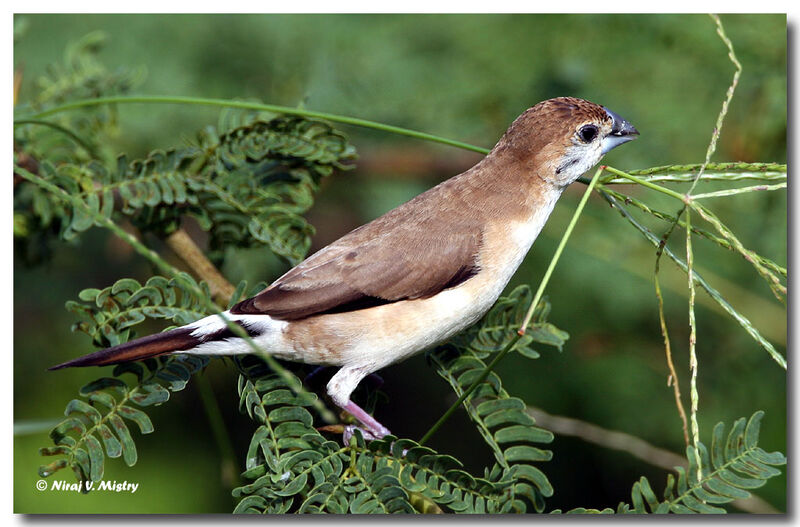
[509,192]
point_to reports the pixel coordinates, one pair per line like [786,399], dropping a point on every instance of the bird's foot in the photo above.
[371,426]
[350,430]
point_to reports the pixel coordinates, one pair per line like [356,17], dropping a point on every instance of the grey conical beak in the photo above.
[621,132]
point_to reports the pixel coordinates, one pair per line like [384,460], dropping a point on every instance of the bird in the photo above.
[415,276]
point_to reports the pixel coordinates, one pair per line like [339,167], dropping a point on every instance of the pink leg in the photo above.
[340,387]
[373,427]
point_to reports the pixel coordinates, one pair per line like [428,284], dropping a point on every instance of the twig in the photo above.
[183,245]
[637,447]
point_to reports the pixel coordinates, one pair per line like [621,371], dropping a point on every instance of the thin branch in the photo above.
[63,129]
[183,245]
[637,447]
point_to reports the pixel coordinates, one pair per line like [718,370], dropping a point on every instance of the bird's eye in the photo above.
[587,133]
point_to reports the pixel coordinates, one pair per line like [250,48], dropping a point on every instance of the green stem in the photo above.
[713,293]
[559,249]
[229,474]
[734,191]
[202,101]
[647,184]
[502,353]
[63,129]
[694,394]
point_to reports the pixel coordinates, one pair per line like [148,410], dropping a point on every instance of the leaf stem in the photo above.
[646,183]
[244,105]
[554,260]
[63,129]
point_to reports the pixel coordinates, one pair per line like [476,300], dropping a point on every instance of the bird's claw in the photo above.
[350,430]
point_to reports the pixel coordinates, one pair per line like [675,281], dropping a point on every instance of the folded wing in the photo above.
[395,257]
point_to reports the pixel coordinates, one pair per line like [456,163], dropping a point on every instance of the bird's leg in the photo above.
[340,387]
[372,427]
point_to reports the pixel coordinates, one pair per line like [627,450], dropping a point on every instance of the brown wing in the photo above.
[404,254]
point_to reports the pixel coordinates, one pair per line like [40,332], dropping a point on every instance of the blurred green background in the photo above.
[465,77]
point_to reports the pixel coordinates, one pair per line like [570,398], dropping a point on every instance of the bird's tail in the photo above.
[207,336]
[178,339]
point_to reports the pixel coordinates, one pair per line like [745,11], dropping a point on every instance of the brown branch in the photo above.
[183,245]
[639,448]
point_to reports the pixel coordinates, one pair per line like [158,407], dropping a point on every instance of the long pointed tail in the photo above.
[211,335]
[151,346]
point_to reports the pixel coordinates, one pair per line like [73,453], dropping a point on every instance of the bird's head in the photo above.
[560,139]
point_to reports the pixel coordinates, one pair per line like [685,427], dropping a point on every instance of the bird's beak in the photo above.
[621,132]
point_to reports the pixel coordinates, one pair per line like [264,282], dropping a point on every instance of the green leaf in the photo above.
[721,482]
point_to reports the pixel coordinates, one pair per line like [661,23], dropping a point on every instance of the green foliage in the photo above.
[248,183]
[76,143]
[110,313]
[506,428]
[259,178]
[247,187]
[293,468]
[736,465]
[496,329]
[95,426]
[81,75]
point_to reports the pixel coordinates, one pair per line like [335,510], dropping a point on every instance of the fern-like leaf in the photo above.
[734,466]
[96,425]
[293,468]
[260,177]
[247,187]
[509,431]
[110,313]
